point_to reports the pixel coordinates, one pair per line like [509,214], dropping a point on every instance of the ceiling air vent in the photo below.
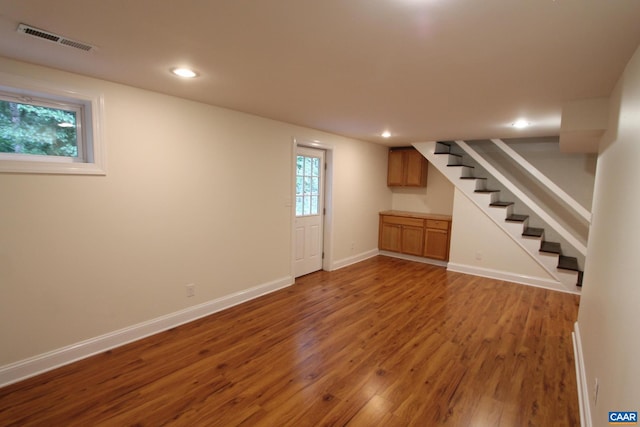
[46,35]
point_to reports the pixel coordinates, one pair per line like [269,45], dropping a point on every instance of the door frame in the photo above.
[327,237]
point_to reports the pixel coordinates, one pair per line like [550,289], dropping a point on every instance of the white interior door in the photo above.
[309,220]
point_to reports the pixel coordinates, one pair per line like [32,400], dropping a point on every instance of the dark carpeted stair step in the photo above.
[580,276]
[486,191]
[459,166]
[550,247]
[501,204]
[472,177]
[568,263]
[533,232]
[517,218]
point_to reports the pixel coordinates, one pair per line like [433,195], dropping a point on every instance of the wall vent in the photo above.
[46,35]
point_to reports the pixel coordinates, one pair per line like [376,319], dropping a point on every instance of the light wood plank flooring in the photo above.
[385,342]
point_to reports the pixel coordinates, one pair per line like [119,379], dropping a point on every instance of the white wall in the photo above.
[436,198]
[610,305]
[479,246]
[193,194]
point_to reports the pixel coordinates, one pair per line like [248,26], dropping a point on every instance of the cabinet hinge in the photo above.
[322,255]
[324,211]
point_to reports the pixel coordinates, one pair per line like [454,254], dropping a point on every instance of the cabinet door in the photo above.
[412,240]
[416,168]
[395,173]
[390,237]
[436,244]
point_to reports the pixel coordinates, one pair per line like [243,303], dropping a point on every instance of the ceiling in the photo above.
[422,69]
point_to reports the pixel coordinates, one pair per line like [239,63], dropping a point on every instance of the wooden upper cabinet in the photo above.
[407,168]
[395,172]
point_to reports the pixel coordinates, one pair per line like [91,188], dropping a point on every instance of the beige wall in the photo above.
[436,198]
[610,305]
[193,194]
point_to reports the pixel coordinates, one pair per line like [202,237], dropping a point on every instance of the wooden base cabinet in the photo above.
[401,234]
[415,234]
[436,239]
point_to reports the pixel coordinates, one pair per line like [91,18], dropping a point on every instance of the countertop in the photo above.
[420,215]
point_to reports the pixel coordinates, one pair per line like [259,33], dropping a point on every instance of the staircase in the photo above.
[549,255]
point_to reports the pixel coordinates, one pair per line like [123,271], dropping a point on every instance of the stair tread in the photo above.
[453,166]
[533,232]
[568,263]
[517,218]
[471,177]
[501,204]
[580,277]
[486,191]
[551,247]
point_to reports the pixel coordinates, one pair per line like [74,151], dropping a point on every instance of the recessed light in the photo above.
[385,134]
[184,72]
[520,124]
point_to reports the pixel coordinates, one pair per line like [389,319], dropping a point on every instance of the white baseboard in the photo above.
[581,379]
[415,258]
[539,282]
[336,265]
[26,368]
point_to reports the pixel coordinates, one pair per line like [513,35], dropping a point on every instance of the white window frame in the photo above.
[91,158]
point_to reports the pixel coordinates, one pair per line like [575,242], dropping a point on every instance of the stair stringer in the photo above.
[564,281]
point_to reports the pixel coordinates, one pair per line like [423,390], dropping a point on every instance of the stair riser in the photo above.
[532,244]
[515,228]
[466,171]
[499,213]
[469,185]
[454,160]
[486,198]
[549,260]
[567,277]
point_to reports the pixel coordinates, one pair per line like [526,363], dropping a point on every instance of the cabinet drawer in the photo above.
[441,225]
[400,220]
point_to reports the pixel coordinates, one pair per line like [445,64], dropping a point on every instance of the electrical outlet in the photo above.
[191,290]
[596,387]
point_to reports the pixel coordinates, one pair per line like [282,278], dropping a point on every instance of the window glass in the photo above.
[29,128]
[307,185]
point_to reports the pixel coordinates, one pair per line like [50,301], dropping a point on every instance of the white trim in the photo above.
[581,379]
[562,195]
[522,279]
[414,258]
[353,259]
[26,368]
[579,246]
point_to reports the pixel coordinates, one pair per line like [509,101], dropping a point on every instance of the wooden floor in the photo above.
[385,342]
